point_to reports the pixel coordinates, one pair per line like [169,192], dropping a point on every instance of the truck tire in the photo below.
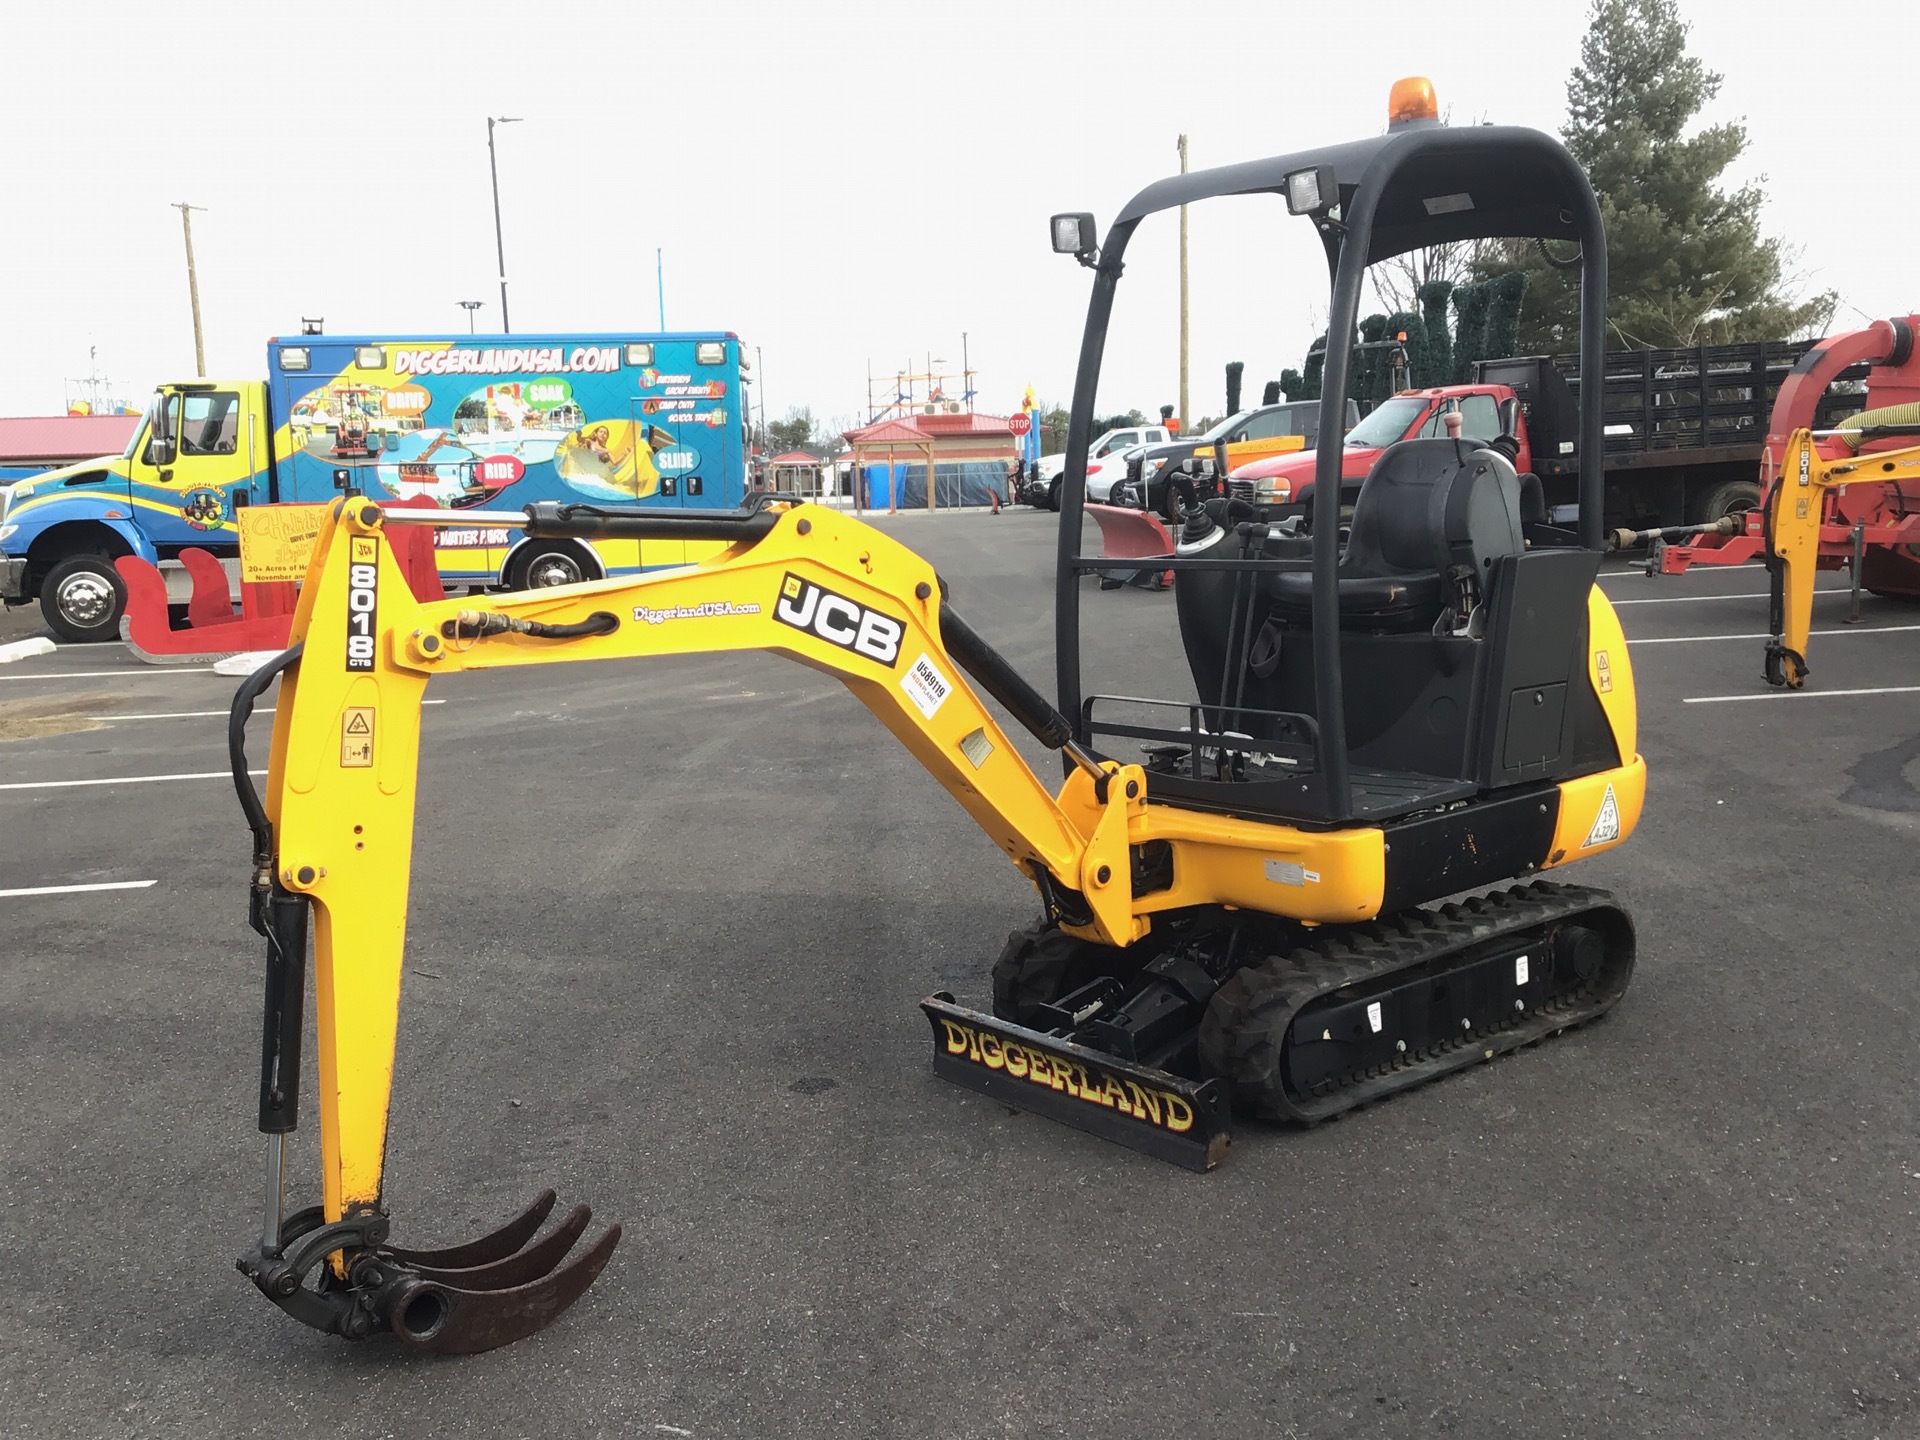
[549,562]
[1729,498]
[1053,496]
[82,598]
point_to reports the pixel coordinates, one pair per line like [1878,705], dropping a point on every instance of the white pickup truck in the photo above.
[1043,490]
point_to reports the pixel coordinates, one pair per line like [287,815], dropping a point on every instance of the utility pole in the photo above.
[660,282]
[193,287]
[499,244]
[966,373]
[1186,416]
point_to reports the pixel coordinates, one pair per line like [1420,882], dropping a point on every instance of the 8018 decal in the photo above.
[838,620]
[363,600]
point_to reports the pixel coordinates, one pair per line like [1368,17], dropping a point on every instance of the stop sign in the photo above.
[1019,424]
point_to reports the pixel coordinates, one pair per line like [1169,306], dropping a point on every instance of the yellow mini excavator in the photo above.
[1241,888]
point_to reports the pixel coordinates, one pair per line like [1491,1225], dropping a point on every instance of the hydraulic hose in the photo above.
[476,624]
[250,690]
[1857,430]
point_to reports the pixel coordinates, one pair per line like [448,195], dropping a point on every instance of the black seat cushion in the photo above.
[1397,552]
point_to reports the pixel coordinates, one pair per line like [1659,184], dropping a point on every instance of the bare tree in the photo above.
[1397,282]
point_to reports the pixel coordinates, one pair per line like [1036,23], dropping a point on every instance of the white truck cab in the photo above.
[1045,491]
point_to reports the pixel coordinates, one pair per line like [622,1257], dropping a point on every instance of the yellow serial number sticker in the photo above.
[356,737]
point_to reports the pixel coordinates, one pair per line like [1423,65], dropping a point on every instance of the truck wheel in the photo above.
[1729,499]
[543,565]
[82,599]
[1053,497]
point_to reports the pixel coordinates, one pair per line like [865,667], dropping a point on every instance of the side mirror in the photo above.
[1510,416]
[162,446]
[1074,234]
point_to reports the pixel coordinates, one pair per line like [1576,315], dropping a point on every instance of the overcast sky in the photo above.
[841,185]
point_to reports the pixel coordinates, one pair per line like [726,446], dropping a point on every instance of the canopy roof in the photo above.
[1442,184]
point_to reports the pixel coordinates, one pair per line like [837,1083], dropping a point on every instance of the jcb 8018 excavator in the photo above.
[1240,887]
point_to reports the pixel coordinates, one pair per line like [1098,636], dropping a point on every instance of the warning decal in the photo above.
[928,688]
[356,737]
[1606,825]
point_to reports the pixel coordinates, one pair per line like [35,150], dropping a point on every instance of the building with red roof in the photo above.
[45,442]
[968,453]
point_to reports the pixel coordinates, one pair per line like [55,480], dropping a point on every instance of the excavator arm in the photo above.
[334,838]
[1795,506]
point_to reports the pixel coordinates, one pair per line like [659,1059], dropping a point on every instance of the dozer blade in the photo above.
[1166,1116]
[449,1319]
[495,1245]
[1126,534]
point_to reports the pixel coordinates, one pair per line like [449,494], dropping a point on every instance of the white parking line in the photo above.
[1690,599]
[1830,634]
[122,780]
[76,889]
[1799,695]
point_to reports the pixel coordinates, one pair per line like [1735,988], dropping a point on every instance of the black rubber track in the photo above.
[1246,1024]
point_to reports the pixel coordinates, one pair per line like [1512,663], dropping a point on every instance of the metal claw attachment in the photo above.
[460,1300]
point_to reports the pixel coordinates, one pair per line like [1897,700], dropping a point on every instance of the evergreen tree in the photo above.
[1316,370]
[1234,370]
[1687,262]
[1433,360]
[1470,332]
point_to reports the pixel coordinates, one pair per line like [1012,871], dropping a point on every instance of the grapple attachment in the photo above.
[460,1300]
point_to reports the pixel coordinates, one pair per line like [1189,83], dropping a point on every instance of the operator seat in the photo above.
[1430,514]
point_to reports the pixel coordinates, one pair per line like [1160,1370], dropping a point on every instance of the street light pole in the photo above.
[499,243]
[193,287]
[470,306]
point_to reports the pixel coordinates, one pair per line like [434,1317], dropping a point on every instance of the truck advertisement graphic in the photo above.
[453,424]
[423,421]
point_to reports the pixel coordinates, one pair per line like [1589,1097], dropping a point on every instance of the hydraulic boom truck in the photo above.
[1240,906]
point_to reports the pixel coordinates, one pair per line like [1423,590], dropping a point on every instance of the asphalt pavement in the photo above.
[670,923]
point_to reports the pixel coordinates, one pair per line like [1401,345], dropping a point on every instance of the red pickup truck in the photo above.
[1281,485]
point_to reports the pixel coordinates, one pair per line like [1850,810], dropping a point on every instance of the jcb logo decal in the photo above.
[838,620]
[363,594]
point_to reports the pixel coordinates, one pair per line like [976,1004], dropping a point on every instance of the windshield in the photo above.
[1218,432]
[1388,422]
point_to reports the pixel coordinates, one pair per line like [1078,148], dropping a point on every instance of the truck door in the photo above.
[190,498]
